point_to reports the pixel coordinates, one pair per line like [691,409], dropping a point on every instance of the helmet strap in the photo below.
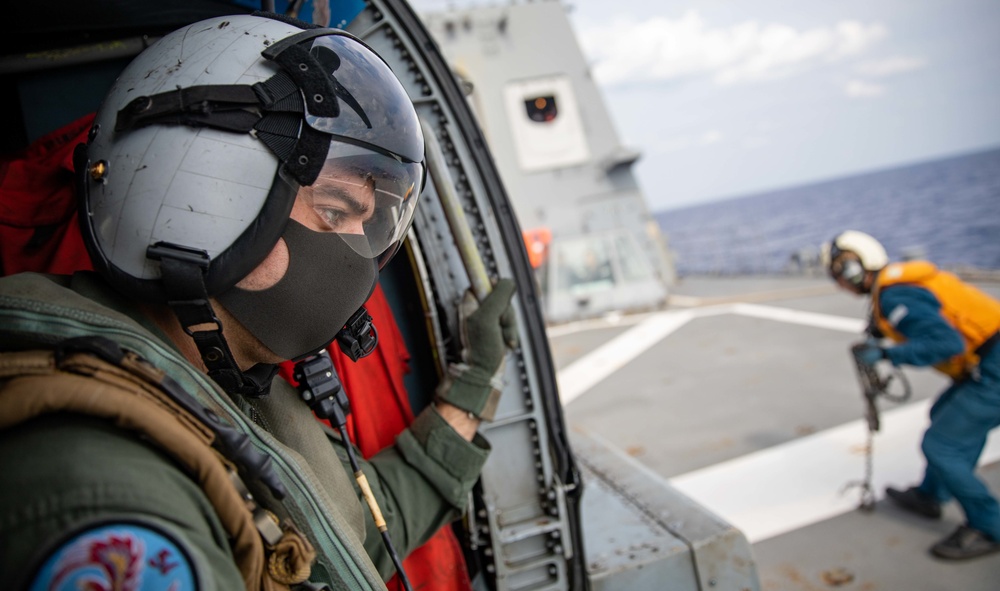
[273,110]
[183,275]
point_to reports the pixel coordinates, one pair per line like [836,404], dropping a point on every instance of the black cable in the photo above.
[321,389]
[373,506]
[897,374]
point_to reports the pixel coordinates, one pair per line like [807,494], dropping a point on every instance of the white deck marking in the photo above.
[605,360]
[799,317]
[606,321]
[790,486]
[584,373]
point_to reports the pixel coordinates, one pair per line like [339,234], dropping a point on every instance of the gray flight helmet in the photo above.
[204,140]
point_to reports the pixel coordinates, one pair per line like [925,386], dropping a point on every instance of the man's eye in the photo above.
[332,216]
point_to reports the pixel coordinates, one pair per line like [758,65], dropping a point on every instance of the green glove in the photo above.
[486,329]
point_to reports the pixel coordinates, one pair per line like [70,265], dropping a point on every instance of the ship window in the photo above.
[634,263]
[584,266]
[541,108]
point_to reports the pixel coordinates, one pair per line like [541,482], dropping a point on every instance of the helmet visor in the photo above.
[366,197]
[374,109]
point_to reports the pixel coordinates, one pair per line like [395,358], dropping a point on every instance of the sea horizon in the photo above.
[823,180]
[945,210]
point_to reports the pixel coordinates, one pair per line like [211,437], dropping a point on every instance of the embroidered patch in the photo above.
[897,314]
[117,557]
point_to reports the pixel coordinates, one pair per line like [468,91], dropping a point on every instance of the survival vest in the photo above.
[36,311]
[94,377]
[974,314]
[39,233]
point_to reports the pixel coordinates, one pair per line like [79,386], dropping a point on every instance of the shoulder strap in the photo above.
[78,377]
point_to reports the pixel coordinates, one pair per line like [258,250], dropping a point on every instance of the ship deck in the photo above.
[743,396]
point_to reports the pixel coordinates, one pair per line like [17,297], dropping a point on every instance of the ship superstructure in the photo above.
[588,230]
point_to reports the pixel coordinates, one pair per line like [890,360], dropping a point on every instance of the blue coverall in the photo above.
[961,417]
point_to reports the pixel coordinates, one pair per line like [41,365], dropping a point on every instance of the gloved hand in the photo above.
[869,353]
[486,329]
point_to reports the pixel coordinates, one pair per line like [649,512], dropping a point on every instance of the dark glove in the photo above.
[870,354]
[486,329]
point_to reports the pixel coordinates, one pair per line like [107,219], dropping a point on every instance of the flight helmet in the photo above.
[196,158]
[869,256]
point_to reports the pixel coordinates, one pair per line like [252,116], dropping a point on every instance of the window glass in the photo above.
[585,266]
[541,109]
[634,264]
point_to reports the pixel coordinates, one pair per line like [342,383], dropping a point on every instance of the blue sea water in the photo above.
[946,211]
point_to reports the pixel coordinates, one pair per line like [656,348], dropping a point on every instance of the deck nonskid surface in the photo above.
[742,393]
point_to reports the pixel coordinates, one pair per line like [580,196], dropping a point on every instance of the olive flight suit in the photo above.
[65,473]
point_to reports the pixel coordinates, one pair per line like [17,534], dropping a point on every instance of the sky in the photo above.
[725,98]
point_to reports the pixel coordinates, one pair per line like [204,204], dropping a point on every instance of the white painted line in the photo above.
[584,373]
[600,363]
[790,486]
[606,321]
[799,317]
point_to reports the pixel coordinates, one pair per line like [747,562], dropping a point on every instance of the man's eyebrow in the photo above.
[330,190]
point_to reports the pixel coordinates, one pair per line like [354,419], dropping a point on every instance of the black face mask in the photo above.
[325,283]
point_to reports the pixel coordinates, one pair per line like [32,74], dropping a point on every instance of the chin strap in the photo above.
[183,270]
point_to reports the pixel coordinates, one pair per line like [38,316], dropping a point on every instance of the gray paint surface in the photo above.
[885,549]
[725,386]
[596,199]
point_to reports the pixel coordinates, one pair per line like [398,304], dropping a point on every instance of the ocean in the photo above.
[946,211]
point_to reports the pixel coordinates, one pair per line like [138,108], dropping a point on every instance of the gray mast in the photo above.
[562,162]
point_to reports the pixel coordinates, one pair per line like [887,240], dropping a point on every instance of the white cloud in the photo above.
[710,137]
[752,142]
[890,66]
[863,89]
[670,144]
[674,143]
[662,49]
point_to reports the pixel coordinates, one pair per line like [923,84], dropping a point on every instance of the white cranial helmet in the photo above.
[871,256]
[202,143]
[870,251]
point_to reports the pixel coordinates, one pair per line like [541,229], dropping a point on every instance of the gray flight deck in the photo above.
[723,386]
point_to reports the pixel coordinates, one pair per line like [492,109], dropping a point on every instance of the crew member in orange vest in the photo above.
[935,319]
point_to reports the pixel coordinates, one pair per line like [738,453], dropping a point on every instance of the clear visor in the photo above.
[366,197]
[374,108]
